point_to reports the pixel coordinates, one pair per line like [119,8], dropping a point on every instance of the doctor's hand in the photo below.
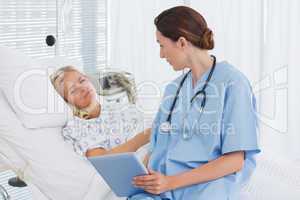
[154,182]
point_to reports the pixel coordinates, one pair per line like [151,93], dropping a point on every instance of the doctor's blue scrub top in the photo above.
[227,124]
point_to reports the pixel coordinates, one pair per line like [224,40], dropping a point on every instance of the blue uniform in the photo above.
[227,124]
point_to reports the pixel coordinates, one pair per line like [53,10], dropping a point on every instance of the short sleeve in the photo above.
[239,122]
[84,135]
[154,131]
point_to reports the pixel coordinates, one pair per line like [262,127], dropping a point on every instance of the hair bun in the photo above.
[183,21]
[207,40]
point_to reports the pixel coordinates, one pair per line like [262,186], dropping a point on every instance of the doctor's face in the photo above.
[76,89]
[171,51]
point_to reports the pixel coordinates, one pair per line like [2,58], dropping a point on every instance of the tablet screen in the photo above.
[118,171]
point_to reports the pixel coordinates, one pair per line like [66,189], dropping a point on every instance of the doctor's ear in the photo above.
[182,42]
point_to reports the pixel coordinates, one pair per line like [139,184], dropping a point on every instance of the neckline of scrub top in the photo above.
[190,91]
[201,81]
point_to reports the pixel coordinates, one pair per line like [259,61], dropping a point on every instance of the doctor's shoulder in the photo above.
[233,77]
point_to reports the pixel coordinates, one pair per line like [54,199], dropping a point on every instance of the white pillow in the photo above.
[26,84]
[47,161]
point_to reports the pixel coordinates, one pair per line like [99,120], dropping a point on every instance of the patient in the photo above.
[95,130]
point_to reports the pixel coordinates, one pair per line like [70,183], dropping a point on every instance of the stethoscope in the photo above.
[166,126]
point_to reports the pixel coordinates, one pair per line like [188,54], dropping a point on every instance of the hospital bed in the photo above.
[32,115]
[31,144]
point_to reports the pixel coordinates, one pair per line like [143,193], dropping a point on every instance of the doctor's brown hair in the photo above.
[182,21]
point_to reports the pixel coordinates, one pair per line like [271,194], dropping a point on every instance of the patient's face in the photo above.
[76,88]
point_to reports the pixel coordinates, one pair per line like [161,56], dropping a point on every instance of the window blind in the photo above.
[25,24]
[79,27]
[87,38]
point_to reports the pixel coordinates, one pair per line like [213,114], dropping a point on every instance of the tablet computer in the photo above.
[118,171]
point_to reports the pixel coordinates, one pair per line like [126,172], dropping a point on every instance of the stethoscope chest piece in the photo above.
[165,127]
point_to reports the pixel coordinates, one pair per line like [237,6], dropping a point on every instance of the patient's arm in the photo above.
[131,145]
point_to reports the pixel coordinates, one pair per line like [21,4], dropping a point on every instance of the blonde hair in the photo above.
[54,76]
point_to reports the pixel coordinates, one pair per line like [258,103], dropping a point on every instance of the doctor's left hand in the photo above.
[154,182]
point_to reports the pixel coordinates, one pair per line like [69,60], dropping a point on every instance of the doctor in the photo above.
[204,136]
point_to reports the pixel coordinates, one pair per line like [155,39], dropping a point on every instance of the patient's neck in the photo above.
[94,110]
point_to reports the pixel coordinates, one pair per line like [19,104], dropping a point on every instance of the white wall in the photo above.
[133,47]
[260,37]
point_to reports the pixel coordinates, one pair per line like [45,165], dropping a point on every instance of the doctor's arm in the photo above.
[157,183]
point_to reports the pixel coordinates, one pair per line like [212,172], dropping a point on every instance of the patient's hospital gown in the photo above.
[114,126]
